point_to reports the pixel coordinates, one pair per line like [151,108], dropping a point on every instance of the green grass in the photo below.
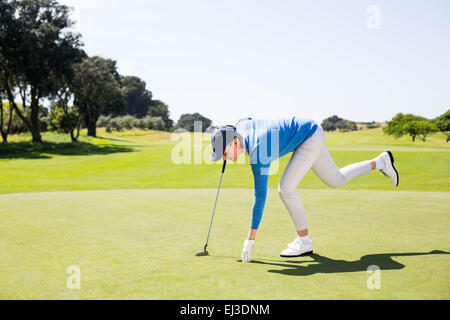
[130,244]
[142,160]
[120,209]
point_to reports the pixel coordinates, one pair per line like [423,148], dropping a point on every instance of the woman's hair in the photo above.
[239,138]
[240,141]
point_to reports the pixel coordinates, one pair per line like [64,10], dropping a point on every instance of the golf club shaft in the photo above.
[215,203]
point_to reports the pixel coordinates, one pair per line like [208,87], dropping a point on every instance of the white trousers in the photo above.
[312,154]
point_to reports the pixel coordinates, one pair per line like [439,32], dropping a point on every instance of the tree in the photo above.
[139,103]
[418,128]
[137,98]
[186,121]
[6,114]
[160,109]
[334,122]
[9,31]
[63,117]
[96,90]
[443,124]
[410,124]
[39,49]
[396,126]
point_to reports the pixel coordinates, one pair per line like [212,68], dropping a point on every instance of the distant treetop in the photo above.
[334,122]
[186,121]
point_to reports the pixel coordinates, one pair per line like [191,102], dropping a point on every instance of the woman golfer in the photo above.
[265,141]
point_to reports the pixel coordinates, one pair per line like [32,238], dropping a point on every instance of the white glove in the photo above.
[247,250]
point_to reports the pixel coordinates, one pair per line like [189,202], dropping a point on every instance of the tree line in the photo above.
[417,126]
[400,125]
[41,59]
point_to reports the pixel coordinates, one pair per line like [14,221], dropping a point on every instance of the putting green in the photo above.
[140,244]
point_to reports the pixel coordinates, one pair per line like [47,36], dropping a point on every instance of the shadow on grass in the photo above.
[326,265]
[44,150]
[113,139]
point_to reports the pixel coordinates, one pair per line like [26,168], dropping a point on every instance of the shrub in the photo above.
[103,121]
[127,122]
[157,123]
[373,125]
[135,123]
[114,124]
[63,122]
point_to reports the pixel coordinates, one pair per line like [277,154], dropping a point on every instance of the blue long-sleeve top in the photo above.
[266,141]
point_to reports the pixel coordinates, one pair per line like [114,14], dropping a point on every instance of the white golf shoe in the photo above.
[389,171]
[297,248]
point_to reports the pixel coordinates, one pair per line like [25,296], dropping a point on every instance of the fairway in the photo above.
[140,244]
[119,209]
[143,160]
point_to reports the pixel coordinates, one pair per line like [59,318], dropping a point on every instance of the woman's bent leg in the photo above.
[325,168]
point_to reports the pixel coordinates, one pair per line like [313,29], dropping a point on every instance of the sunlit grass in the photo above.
[140,244]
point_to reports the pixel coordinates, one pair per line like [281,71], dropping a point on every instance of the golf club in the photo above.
[204,252]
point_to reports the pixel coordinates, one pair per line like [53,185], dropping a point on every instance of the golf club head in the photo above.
[203,253]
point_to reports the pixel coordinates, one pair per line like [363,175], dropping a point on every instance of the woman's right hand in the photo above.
[247,250]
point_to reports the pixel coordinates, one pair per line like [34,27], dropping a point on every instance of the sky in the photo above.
[360,60]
